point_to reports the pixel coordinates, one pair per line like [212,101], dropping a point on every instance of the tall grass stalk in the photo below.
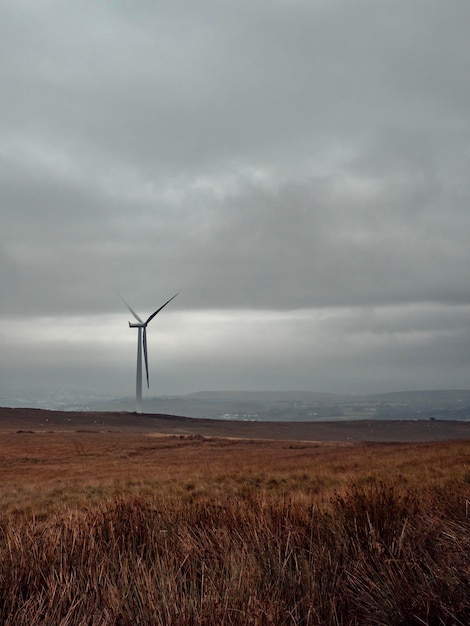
[374,554]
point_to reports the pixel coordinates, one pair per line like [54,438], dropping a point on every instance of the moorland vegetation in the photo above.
[117,529]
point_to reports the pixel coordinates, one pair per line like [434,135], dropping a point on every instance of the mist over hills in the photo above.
[274,405]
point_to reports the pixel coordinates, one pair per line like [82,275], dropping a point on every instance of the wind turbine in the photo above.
[142,342]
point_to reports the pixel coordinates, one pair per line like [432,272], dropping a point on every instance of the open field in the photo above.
[350,431]
[44,472]
[137,526]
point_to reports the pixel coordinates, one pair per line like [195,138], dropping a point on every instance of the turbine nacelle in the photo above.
[142,325]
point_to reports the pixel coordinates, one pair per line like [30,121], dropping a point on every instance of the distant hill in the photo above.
[318,406]
[291,406]
[317,397]
[437,397]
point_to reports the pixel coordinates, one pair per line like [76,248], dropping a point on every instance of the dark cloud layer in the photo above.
[257,157]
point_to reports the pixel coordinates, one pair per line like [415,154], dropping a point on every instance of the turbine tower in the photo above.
[142,343]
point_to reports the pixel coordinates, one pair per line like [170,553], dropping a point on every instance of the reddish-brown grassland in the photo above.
[179,525]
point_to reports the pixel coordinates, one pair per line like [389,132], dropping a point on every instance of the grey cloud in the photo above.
[261,83]
[298,245]
[308,246]
[253,156]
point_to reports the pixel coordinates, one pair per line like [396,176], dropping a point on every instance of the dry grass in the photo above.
[117,528]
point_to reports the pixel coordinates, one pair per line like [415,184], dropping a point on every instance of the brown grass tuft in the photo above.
[215,532]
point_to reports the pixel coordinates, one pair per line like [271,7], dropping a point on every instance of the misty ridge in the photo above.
[290,406]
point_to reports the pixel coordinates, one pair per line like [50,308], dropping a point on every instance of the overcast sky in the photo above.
[298,170]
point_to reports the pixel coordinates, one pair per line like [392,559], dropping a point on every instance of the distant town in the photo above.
[296,406]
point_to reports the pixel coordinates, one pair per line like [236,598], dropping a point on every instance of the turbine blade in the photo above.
[146,357]
[132,311]
[158,310]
